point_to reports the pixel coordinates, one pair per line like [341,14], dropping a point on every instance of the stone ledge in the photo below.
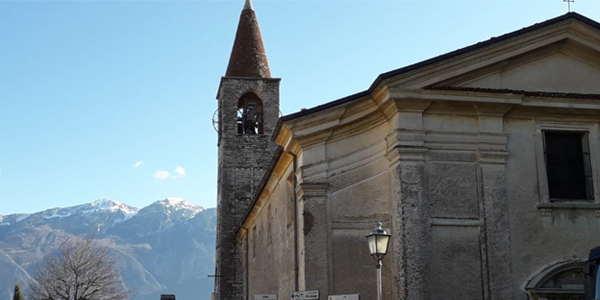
[567,205]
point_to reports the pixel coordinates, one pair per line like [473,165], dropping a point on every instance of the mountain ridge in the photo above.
[164,247]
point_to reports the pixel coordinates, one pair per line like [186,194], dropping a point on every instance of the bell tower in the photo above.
[247,115]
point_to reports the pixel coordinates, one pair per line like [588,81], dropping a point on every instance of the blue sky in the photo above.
[114,99]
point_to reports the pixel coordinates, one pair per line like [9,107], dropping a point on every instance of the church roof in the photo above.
[382,78]
[248,56]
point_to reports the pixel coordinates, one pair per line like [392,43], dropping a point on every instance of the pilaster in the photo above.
[410,218]
[492,156]
[313,234]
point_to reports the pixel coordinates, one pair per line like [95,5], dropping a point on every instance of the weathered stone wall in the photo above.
[542,235]
[459,193]
[243,159]
[271,243]
[468,244]
[435,179]
[357,196]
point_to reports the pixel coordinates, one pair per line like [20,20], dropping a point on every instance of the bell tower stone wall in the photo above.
[243,159]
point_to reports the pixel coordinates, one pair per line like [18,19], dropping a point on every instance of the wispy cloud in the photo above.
[162,174]
[138,164]
[180,172]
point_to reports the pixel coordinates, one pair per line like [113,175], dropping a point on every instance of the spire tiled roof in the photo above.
[248,56]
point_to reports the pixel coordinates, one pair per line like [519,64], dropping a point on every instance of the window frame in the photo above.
[592,135]
[535,284]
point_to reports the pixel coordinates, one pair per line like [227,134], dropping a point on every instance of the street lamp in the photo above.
[378,240]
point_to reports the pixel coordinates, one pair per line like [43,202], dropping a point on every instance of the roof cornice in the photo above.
[384,77]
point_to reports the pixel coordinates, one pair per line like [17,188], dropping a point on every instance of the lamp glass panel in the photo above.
[382,244]
[372,240]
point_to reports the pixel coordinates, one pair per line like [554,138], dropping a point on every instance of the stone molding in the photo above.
[306,191]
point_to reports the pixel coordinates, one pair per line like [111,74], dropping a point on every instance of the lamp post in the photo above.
[378,240]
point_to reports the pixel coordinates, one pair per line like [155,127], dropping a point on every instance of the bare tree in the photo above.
[83,270]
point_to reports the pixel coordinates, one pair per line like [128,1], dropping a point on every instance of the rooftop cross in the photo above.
[569,3]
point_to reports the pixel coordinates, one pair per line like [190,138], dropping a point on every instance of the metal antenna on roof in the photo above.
[569,3]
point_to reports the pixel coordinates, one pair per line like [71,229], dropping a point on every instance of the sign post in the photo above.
[345,297]
[305,295]
[265,297]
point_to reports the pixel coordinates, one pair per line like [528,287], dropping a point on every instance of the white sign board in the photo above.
[305,295]
[345,297]
[265,297]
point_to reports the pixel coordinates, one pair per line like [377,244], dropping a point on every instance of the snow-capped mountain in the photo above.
[165,247]
[121,212]
[12,219]
[97,216]
[98,206]
[180,205]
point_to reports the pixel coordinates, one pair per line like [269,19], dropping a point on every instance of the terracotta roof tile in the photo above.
[248,56]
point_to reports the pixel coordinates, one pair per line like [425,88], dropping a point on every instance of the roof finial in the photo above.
[568,3]
[248,5]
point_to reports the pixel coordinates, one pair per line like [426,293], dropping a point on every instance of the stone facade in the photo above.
[450,154]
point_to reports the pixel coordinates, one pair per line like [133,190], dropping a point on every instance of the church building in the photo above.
[483,164]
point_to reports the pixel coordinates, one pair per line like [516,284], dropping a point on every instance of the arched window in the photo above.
[250,114]
[560,282]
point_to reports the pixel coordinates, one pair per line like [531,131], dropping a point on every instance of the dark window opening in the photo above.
[568,165]
[570,280]
[250,115]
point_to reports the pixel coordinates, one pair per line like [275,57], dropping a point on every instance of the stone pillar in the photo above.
[313,236]
[410,219]
[495,210]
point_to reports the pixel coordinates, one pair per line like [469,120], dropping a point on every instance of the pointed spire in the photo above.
[248,5]
[248,56]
